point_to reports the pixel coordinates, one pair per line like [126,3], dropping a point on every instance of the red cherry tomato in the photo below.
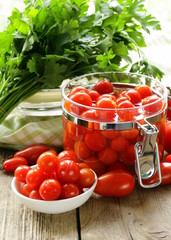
[108,156]
[135,97]
[81,149]
[81,98]
[144,91]
[90,115]
[167,158]
[26,190]
[11,164]
[75,131]
[34,178]
[50,189]
[119,144]
[103,86]
[110,134]
[47,162]
[67,155]
[21,172]
[167,138]
[116,183]
[69,190]
[95,140]
[129,134]
[68,171]
[78,89]
[129,113]
[34,194]
[31,152]
[94,95]
[155,104]
[122,99]
[86,178]
[165,173]
[106,103]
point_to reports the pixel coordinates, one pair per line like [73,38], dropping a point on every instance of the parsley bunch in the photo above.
[52,40]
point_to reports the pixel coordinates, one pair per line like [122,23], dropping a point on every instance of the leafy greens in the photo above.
[52,40]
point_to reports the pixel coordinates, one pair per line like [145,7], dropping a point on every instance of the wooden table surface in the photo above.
[145,214]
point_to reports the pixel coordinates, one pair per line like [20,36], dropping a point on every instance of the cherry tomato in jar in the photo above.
[21,172]
[81,149]
[144,91]
[108,156]
[135,97]
[116,166]
[127,111]
[97,166]
[68,171]
[119,144]
[11,164]
[69,190]
[167,137]
[104,86]
[155,104]
[90,114]
[32,152]
[106,103]
[117,183]
[78,89]
[95,140]
[50,189]
[80,98]
[94,95]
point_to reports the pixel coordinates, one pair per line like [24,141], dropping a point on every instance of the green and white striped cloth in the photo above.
[18,131]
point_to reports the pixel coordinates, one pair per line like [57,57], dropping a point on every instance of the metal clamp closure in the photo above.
[147,155]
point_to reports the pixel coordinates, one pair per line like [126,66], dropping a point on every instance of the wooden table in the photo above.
[143,215]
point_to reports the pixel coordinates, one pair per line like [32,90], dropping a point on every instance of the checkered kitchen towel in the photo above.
[17,131]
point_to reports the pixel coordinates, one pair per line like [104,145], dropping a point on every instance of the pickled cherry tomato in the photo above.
[103,86]
[95,140]
[144,91]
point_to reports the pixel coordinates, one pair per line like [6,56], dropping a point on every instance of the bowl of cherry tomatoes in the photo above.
[55,184]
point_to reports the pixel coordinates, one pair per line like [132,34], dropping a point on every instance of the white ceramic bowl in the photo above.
[53,207]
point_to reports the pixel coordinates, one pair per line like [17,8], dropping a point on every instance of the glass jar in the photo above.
[36,120]
[132,139]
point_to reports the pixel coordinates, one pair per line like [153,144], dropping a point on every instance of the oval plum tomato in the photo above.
[119,144]
[167,158]
[34,178]
[135,97]
[11,164]
[106,103]
[103,86]
[97,166]
[86,178]
[108,156]
[94,95]
[47,162]
[81,98]
[69,190]
[129,134]
[68,171]
[34,194]
[21,172]
[31,152]
[95,140]
[144,91]
[128,112]
[116,183]
[165,173]
[50,189]
[67,155]
[155,104]
[167,137]
[81,149]
[110,134]
[78,89]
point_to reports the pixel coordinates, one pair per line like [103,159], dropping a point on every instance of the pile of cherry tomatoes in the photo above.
[54,177]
